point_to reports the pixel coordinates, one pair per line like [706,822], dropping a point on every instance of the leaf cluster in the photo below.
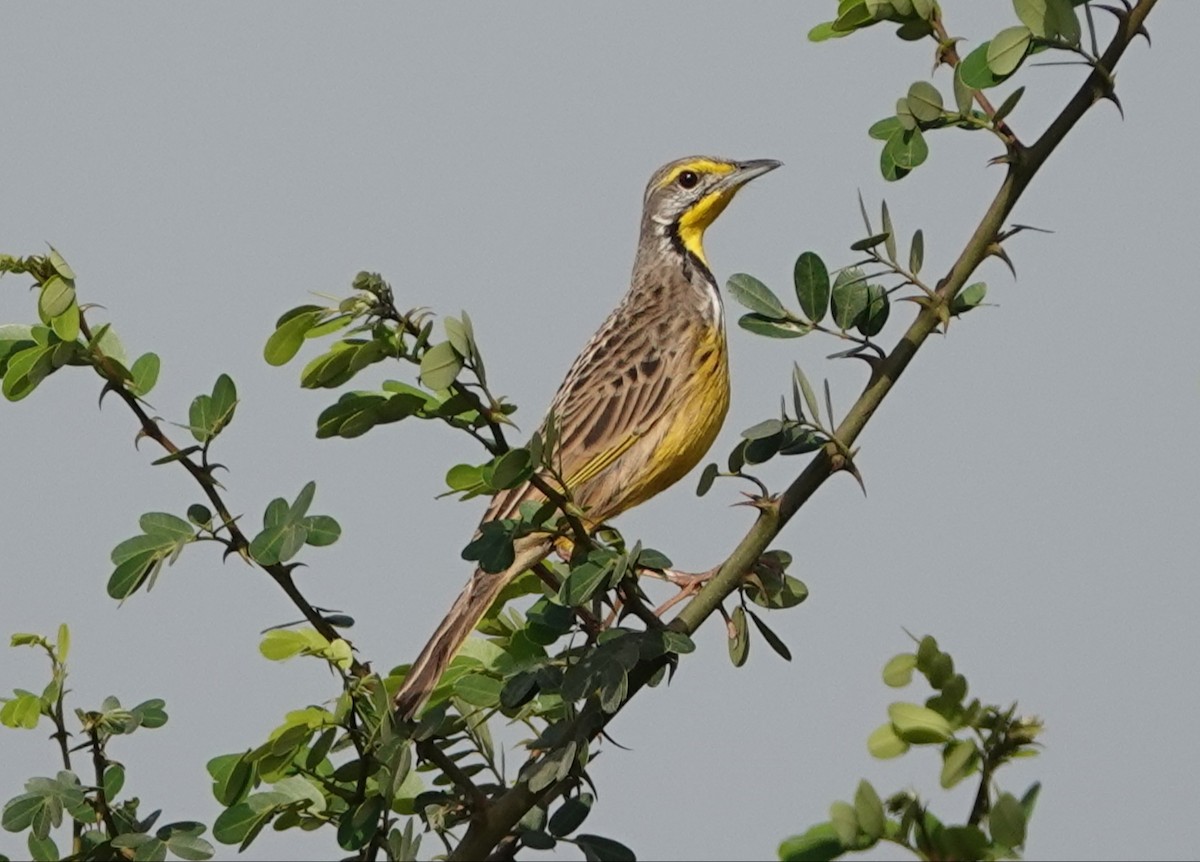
[973,738]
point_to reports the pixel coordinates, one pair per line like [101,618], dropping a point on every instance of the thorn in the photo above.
[604,734]
[138,437]
[1112,97]
[943,313]
[1117,13]
[108,387]
[875,363]
[1142,31]
[852,469]
[997,250]
[1017,228]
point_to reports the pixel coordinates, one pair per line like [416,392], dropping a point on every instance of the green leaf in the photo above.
[975,72]
[511,469]
[871,322]
[918,724]
[151,713]
[570,815]
[145,373]
[845,822]
[358,827]
[853,16]
[812,285]
[322,530]
[582,583]
[883,129]
[810,398]
[868,242]
[964,96]
[755,295]
[22,712]
[885,744]
[1029,799]
[66,325]
[236,823]
[916,254]
[890,232]
[199,514]
[913,31]
[898,672]
[598,849]
[60,264]
[25,370]
[1006,821]
[282,644]
[766,428]
[1049,19]
[824,31]
[440,366]
[492,548]
[925,102]
[1007,105]
[1008,49]
[114,780]
[738,637]
[209,414]
[771,328]
[170,527]
[286,341]
[20,812]
[56,297]
[707,477]
[42,849]
[819,844]
[232,776]
[478,689]
[62,643]
[651,559]
[908,149]
[969,297]
[849,298]
[299,507]
[868,808]
[131,573]
[189,846]
[959,759]
[773,640]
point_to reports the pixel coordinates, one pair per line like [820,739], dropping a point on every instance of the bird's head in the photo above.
[686,196]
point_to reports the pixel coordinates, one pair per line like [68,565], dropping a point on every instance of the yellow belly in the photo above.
[693,426]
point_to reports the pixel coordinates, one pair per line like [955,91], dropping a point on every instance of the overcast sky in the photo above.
[1032,481]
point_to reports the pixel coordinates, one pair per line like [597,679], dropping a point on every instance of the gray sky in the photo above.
[1032,481]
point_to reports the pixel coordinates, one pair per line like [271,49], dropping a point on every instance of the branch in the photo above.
[503,814]
[238,542]
[99,762]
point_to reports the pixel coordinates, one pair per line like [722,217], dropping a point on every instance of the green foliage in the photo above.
[584,639]
[288,527]
[974,739]
[100,825]
[1046,24]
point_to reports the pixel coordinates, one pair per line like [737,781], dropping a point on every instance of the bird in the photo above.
[640,405]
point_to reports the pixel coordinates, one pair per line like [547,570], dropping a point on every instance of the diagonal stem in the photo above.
[502,815]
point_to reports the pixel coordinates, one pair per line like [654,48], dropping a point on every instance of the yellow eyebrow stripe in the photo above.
[700,166]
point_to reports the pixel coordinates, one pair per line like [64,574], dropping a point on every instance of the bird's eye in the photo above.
[688,179]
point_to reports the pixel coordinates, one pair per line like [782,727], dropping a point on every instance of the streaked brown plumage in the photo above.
[643,401]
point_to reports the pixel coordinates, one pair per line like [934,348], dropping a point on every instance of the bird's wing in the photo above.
[621,384]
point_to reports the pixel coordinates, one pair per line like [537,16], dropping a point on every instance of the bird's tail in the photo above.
[468,609]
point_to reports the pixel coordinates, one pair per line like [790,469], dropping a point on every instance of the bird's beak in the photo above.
[744,172]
